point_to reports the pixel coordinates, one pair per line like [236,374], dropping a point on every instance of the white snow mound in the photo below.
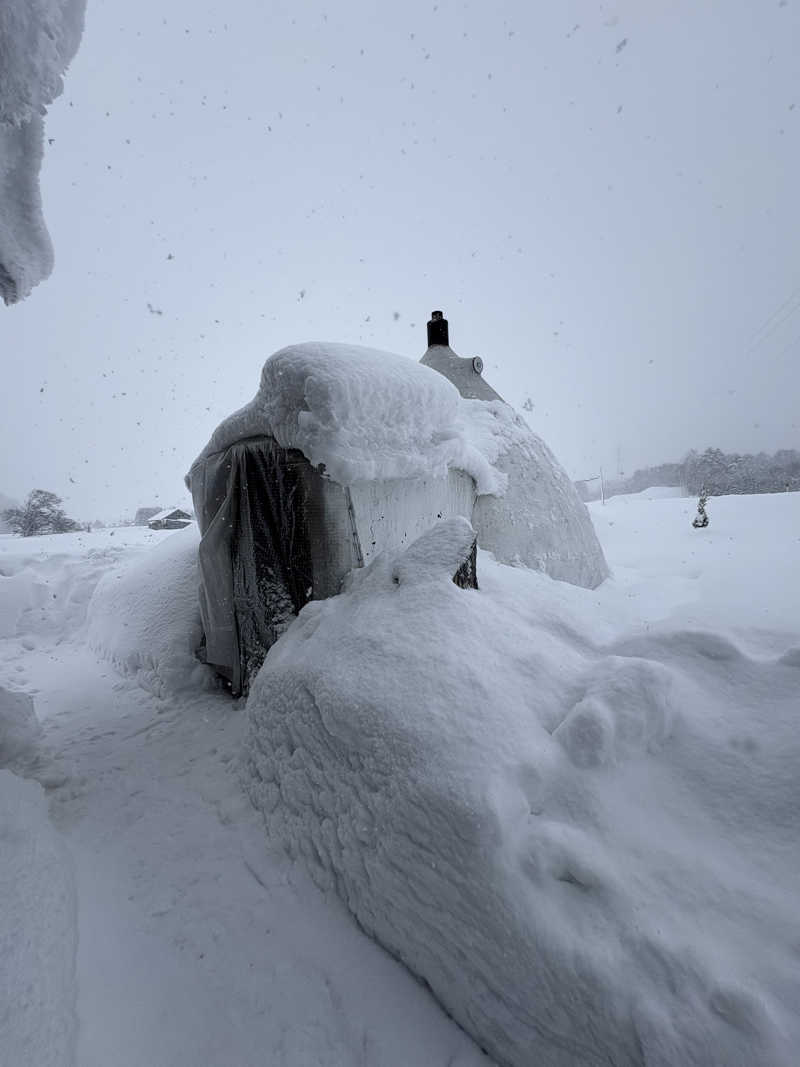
[38,932]
[365,415]
[144,616]
[20,729]
[585,846]
[19,592]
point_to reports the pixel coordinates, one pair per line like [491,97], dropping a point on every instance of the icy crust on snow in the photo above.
[144,616]
[38,39]
[586,846]
[38,932]
[539,521]
[365,415]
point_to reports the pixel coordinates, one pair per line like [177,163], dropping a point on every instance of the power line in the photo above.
[774,321]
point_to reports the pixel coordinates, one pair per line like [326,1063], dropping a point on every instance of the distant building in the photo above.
[540,520]
[144,515]
[169,519]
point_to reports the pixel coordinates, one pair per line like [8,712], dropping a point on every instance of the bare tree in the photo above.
[41,514]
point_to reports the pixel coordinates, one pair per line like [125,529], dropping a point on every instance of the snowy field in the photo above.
[572,813]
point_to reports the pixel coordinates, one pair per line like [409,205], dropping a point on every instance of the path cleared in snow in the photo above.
[197,945]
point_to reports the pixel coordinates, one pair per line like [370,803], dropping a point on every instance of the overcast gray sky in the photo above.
[602,197]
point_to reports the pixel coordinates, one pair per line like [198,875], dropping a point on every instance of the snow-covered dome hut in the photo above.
[343,453]
[346,452]
[539,521]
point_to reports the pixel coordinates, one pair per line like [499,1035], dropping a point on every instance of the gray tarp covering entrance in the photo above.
[260,508]
[275,534]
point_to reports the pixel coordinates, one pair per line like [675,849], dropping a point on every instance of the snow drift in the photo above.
[584,844]
[19,727]
[46,582]
[38,39]
[144,616]
[38,932]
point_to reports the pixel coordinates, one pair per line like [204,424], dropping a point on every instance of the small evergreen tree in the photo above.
[701,518]
[41,514]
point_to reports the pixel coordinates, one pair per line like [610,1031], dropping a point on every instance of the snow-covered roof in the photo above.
[166,513]
[366,415]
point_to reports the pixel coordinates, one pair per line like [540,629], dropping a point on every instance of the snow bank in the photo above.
[144,616]
[19,728]
[38,932]
[365,415]
[661,492]
[653,492]
[585,844]
[18,593]
[38,39]
[46,582]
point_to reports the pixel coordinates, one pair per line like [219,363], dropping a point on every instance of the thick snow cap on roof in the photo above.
[165,514]
[365,415]
[540,521]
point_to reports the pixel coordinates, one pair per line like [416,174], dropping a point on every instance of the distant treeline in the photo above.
[720,472]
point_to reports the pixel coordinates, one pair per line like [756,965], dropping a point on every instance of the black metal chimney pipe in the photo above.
[438,333]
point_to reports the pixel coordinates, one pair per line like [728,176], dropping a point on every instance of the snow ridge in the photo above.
[144,617]
[526,816]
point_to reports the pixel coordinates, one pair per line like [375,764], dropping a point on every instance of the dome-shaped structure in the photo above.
[540,521]
[345,453]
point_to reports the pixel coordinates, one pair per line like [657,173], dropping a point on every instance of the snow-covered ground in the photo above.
[198,943]
[602,786]
[739,577]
